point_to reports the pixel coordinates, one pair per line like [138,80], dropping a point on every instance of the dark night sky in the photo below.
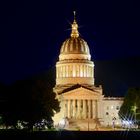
[32,32]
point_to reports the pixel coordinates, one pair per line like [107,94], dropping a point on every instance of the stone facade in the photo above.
[79,98]
[111,106]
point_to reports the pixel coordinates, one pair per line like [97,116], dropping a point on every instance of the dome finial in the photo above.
[74,13]
[74,32]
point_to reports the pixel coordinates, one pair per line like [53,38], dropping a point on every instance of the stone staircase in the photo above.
[83,124]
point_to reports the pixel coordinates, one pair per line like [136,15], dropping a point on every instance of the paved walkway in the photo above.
[89,125]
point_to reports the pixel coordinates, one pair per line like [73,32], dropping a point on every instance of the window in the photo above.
[107,113]
[117,107]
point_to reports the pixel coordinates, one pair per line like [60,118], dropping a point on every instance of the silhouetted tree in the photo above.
[42,105]
[5,105]
[31,101]
[130,108]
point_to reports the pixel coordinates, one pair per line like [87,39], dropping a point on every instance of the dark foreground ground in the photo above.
[70,135]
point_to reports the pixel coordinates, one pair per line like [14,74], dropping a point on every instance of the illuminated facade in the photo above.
[80,100]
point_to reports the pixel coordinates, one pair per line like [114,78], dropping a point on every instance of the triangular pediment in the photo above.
[82,93]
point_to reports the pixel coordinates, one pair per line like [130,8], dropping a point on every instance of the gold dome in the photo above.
[74,44]
[74,65]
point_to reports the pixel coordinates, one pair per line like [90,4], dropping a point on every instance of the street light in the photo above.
[134,109]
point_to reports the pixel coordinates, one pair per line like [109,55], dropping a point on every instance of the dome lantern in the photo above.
[74,26]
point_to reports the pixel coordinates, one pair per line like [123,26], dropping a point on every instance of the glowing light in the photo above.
[112,107]
[63,123]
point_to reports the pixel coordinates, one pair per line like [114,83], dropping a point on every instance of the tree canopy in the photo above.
[130,109]
[31,101]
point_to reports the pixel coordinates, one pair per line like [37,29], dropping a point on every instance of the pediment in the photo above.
[82,93]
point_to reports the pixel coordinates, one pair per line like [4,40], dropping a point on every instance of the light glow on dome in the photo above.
[75,65]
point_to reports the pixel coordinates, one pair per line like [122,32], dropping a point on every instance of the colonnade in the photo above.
[74,71]
[81,109]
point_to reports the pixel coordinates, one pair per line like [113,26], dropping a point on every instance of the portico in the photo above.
[80,108]
[81,103]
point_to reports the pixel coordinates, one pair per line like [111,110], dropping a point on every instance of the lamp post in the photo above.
[113,119]
[134,108]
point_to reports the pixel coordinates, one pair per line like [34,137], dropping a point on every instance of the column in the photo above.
[74,70]
[89,71]
[96,109]
[79,109]
[89,109]
[86,71]
[78,71]
[82,71]
[71,108]
[66,108]
[71,71]
[68,71]
[93,109]
[61,71]
[92,71]
[69,113]
[64,71]
[84,109]
[74,108]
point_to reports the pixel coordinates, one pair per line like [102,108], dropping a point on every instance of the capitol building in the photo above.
[80,100]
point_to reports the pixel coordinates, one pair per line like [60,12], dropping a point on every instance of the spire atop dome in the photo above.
[74,26]
[74,13]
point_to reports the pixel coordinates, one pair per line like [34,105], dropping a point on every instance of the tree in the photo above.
[31,101]
[44,102]
[38,103]
[3,90]
[5,105]
[130,108]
